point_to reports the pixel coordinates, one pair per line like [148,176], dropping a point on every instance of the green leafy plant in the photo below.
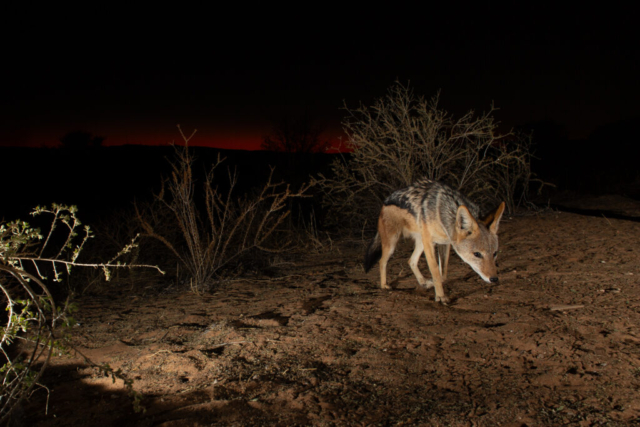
[29,259]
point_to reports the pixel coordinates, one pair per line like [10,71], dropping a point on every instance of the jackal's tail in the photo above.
[373,254]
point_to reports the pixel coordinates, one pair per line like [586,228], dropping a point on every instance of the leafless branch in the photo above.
[227,227]
[401,138]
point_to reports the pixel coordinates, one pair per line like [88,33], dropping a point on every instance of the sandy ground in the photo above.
[556,342]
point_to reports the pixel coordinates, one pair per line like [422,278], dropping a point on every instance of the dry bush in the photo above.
[225,227]
[401,138]
[510,177]
[308,235]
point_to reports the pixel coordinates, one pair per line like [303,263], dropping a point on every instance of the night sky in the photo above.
[131,77]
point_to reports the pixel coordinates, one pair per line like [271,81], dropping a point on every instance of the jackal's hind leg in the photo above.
[388,247]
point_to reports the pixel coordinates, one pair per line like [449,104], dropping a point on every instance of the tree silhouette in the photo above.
[295,135]
[81,140]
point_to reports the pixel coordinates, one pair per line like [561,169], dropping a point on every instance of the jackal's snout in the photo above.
[494,279]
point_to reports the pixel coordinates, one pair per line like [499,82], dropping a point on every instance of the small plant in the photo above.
[226,226]
[28,259]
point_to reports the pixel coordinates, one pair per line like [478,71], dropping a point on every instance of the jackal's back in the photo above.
[429,200]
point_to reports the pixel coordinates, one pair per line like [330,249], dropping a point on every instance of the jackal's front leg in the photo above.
[413,263]
[432,262]
[442,251]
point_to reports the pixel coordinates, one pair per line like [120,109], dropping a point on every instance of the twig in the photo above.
[564,307]
[227,343]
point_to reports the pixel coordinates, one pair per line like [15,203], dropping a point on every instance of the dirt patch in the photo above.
[607,206]
[555,342]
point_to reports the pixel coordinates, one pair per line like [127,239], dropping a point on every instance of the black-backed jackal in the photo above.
[437,217]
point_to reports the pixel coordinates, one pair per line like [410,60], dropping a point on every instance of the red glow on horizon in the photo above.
[229,140]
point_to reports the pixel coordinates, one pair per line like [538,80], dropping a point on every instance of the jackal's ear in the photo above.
[465,222]
[493,219]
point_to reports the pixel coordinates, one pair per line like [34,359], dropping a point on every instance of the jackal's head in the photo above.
[476,241]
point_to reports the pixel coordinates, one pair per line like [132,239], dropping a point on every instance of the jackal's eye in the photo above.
[495,254]
[477,254]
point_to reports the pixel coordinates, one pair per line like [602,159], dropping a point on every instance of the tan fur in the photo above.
[470,237]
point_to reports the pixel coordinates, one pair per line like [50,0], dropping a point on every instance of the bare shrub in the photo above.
[308,235]
[401,138]
[509,177]
[225,227]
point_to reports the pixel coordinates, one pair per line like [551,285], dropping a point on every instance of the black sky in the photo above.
[132,76]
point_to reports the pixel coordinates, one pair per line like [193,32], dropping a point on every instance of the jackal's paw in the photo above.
[386,286]
[443,299]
